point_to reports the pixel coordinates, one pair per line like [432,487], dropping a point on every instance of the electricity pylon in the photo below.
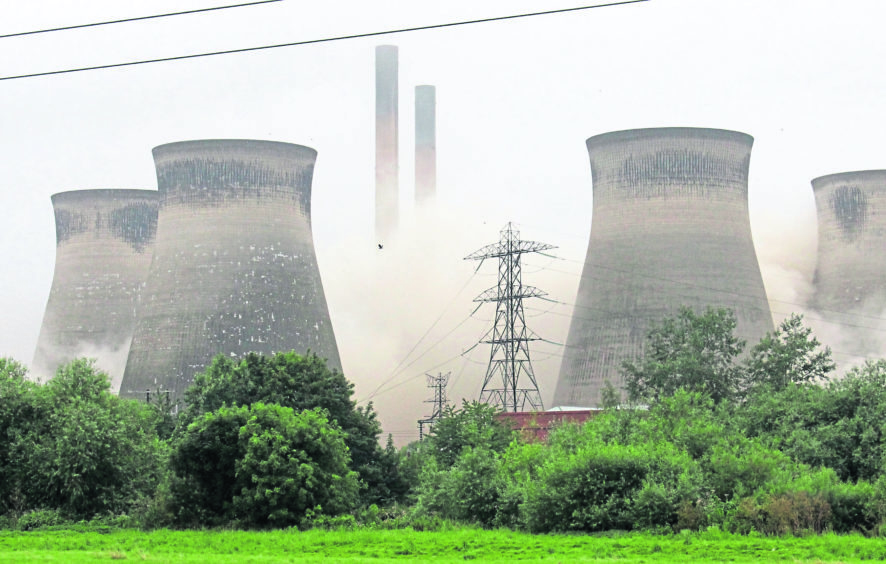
[509,361]
[438,384]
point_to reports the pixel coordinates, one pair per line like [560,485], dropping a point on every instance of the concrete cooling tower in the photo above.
[670,227]
[850,276]
[105,239]
[234,268]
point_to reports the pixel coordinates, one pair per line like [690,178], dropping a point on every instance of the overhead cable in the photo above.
[316,41]
[136,19]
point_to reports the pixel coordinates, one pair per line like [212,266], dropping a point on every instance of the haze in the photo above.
[515,102]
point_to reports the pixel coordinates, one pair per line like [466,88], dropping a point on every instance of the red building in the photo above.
[535,425]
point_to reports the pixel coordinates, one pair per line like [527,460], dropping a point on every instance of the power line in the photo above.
[323,40]
[436,366]
[701,287]
[400,368]
[382,390]
[136,19]
[574,316]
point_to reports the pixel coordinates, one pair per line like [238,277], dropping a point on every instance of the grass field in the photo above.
[412,546]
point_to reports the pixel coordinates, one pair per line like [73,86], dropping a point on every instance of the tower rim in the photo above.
[237,144]
[825,181]
[623,135]
[62,197]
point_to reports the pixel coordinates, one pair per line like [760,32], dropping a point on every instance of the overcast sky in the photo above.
[515,102]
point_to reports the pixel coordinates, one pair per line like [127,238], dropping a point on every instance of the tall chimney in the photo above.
[386,141]
[425,144]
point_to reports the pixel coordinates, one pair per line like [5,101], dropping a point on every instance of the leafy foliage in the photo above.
[839,426]
[474,425]
[301,383]
[77,448]
[790,355]
[764,444]
[16,412]
[262,465]
[689,351]
[291,464]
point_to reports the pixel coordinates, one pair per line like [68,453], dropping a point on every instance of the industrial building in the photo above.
[234,268]
[104,244]
[670,227]
[849,283]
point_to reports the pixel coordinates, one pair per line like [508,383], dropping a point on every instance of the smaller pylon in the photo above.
[438,384]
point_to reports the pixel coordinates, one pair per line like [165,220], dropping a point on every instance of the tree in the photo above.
[790,354]
[262,465]
[203,459]
[301,382]
[474,425]
[840,426]
[690,351]
[84,451]
[16,415]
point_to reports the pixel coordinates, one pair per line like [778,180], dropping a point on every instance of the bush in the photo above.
[601,487]
[40,519]
[653,507]
[302,382]
[740,467]
[474,425]
[850,507]
[291,464]
[691,516]
[470,491]
[794,512]
[518,469]
[262,465]
[875,507]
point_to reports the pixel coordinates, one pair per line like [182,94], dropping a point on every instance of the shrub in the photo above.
[518,469]
[653,507]
[850,507]
[609,486]
[470,490]
[291,463]
[302,382]
[262,465]
[875,507]
[740,467]
[691,516]
[40,518]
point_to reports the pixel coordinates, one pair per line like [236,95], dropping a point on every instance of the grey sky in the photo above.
[515,102]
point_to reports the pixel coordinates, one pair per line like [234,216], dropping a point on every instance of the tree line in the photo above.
[265,441]
[707,434]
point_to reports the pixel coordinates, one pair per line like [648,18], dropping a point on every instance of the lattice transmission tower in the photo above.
[438,384]
[510,381]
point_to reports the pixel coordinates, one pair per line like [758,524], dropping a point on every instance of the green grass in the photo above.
[457,545]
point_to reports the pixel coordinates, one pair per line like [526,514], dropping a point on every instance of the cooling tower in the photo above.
[850,277]
[425,144]
[670,227]
[234,268]
[104,243]
[386,141]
